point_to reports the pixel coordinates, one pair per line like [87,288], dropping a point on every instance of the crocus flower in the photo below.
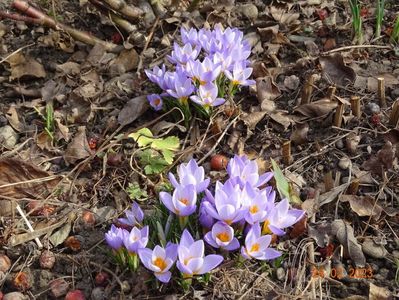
[157,76]
[240,75]
[183,201]
[136,239]
[257,204]
[155,101]
[207,95]
[134,216]
[227,203]
[204,217]
[280,217]
[159,260]
[115,237]
[190,173]
[222,236]
[204,72]
[191,259]
[181,55]
[181,87]
[257,245]
[189,36]
[242,170]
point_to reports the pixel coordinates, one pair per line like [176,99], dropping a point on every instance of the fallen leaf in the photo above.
[362,205]
[317,109]
[164,126]
[19,179]
[13,119]
[390,80]
[286,18]
[267,91]
[133,109]
[78,148]
[381,162]
[281,117]
[58,237]
[253,118]
[332,195]
[336,71]
[379,293]
[300,135]
[125,62]
[25,66]
[371,248]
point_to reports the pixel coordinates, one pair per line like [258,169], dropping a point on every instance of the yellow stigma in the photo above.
[253,209]
[228,222]
[160,263]
[236,82]
[265,228]
[254,248]
[157,101]
[184,201]
[224,237]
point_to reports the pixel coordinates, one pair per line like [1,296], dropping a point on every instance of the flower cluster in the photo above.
[209,65]
[243,208]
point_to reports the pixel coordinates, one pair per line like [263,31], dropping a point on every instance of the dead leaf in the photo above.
[345,234]
[7,208]
[282,117]
[44,141]
[78,148]
[25,66]
[336,71]
[19,179]
[321,233]
[381,162]
[58,237]
[267,91]
[390,80]
[379,293]
[362,205]
[332,195]
[133,109]
[300,135]
[253,118]
[163,126]
[63,131]
[286,18]
[125,62]
[373,249]
[317,109]
[13,119]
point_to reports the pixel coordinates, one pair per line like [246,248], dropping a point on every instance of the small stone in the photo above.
[344,163]
[373,108]
[291,82]
[320,167]
[58,288]
[47,260]
[5,263]
[15,296]
[339,144]
[3,120]
[98,294]
[170,297]
[8,137]
[249,10]
[125,286]
[374,250]
[280,273]
[395,254]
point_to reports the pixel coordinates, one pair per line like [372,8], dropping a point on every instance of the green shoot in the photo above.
[357,21]
[379,17]
[395,31]
[135,192]
[48,119]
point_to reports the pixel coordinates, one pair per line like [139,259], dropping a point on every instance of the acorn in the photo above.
[75,295]
[102,279]
[47,260]
[219,162]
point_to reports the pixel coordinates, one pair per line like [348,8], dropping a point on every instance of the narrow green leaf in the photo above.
[284,188]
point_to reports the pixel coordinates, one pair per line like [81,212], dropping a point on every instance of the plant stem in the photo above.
[379,17]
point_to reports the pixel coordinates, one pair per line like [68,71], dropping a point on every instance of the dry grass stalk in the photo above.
[355,106]
[287,157]
[308,89]
[338,114]
[381,92]
[331,92]
[328,181]
[394,116]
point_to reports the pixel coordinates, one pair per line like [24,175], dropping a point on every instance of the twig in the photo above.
[15,52]
[110,272]
[126,10]
[39,244]
[356,47]
[218,140]
[381,92]
[147,43]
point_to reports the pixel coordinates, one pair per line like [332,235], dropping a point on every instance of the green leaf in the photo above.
[170,143]
[153,163]
[168,156]
[135,192]
[285,189]
[143,137]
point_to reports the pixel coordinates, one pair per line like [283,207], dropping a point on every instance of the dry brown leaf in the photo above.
[336,71]
[133,109]
[19,179]
[390,80]
[13,119]
[384,160]
[300,135]
[78,148]
[316,109]
[253,118]
[286,18]
[25,66]
[267,91]
[362,205]
[379,293]
[281,117]
[125,62]
[43,141]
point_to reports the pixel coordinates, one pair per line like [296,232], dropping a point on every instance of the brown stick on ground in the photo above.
[124,9]
[45,20]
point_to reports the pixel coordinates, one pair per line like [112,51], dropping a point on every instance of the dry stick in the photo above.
[126,10]
[394,116]
[338,114]
[311,246]
[328,181]
[39,244]
[287,157]
[308,90]
[147,43]
[356,47]
[355,106]
[45,20]
[381,92]
[331,92]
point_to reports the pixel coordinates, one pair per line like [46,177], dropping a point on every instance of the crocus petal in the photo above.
[271,253]
[235,244]
[264,178]
[173,180]
[171,251]
[163,277]
[186,239]
[195,264]
[166,199]
[210,262]
[244,253]
[197,249]
[276,230]
[182,268]
[145,255]
[209,239]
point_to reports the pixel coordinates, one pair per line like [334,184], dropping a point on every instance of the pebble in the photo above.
[5,263]
[59,287]
[372,249]
[373,108]
[249,10]
[339,144]
[280,273]
[125,286]
[98,294]
[15,296]
[344,163]
[8,137]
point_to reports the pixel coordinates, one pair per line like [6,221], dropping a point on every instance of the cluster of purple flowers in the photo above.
[210,64]
[241,206]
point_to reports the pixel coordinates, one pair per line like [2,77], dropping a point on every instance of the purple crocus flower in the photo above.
[181,55]
[189,36]
[240,74]
[257,203]
[227,203]
[134,216]
[207,95]
[115,237]
[205,71]
[191,259]
[242,170]
[181,87]
[204,217]
[157,76]
[222,236]
[155,101]
[159,260]
[136,239]
[257,245]
[224,59]
[183,201]
[190,173]
[280,217]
